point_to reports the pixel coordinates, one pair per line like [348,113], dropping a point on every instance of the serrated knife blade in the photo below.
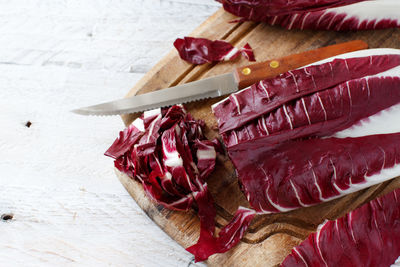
[193,91]
[219,85]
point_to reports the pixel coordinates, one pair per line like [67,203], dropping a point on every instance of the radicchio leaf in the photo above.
[127,138]
[200,50]
[229,236]
[338,15]
[253,9]
[367,236]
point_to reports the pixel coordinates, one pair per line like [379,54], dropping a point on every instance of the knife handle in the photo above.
[253,73]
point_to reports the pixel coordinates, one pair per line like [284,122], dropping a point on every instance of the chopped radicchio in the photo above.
[367,236]
[200,51]
[321,14]
[166,150]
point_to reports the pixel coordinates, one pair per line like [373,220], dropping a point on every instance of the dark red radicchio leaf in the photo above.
[166,150]
[337,15]
[367,236]
[229,236]
[257,9]
[205,154]
[200,50]
[127,138]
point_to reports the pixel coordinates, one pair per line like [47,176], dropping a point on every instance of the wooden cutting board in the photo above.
[270,238]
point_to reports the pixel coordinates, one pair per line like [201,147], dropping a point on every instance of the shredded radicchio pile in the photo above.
[166,150]
[200,51]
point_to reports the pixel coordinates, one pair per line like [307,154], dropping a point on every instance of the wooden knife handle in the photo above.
[253,73]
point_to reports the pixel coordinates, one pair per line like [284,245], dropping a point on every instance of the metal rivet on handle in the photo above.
[274,64]
[246,71]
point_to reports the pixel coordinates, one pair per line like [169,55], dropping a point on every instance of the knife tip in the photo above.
[79,111]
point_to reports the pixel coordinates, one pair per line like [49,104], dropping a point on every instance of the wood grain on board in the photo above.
[270,237]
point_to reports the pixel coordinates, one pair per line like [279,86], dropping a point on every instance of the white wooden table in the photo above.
[67,205]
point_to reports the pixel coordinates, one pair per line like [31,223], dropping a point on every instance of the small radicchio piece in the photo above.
[228,237]
[205,154]
[127,138]
[200,51]
[166,150]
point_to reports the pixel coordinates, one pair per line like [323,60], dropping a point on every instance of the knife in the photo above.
[220,85]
